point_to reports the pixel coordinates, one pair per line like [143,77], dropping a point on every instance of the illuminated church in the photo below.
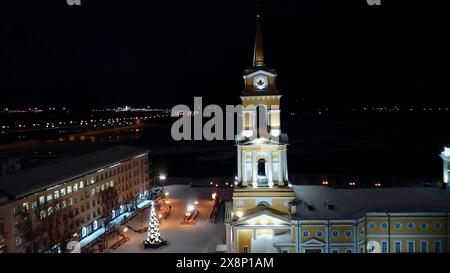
[269,214]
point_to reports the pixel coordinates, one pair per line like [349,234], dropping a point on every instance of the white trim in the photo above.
[257,72]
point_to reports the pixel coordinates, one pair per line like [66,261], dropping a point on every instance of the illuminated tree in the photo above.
[154,238]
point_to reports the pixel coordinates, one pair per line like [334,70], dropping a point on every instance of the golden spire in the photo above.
[258,54]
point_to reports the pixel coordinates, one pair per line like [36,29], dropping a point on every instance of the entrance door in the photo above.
[262,178]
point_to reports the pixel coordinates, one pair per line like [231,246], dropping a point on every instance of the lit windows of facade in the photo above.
[71,194]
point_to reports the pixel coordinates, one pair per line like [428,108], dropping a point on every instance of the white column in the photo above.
[270,169]
[280,173]
[286,178]
[239,164]
[254,167]
[245,168]
[445,171]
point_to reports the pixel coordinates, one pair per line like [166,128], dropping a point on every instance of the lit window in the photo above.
[56,194]
[63,192]
[49,197]
[92,192]
[69,189]
[34,204]
[97,190]
[18,241]
[42,214]
[92,180]
[50,211]
[75,187]
[41,200]
[81,184]
[25,206]
[102,187]
[64,204]
[111,183]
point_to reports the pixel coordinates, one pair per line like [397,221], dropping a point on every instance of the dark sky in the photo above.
[327,52]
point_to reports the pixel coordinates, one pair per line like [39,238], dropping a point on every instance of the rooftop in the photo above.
[29,181]
[322,202]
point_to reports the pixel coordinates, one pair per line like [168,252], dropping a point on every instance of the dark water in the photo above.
[384,145]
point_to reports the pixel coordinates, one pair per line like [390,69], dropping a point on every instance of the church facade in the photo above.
[269,214]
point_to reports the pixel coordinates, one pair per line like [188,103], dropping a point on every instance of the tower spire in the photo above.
[258,54]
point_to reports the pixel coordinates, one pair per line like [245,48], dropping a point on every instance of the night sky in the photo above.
[165,52]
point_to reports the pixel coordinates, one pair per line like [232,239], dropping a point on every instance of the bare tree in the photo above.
[109,200]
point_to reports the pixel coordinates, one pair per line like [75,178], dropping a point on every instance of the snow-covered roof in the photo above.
[322,202]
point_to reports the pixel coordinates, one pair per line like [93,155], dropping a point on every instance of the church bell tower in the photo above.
[261,147]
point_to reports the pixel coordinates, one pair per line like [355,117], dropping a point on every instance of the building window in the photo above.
[319,233]
[348,233]
[335,233]
[111,183]
[56,194]
[424,225]
[384,247]
[49,197]
[245,249]
[95,225]
[25,206]
[437,247]
[424,246]
[92,180]
[34,204]
[349,250]
[42,214]
[92,192]
[371,225]
[411,247]
[398,246]
[81,184]
[305,233]
[384,225]
[75,187]
[63,192]
[438,225]
[18,241]
[411,225]
[69,189]
[41,200]
[398,225]
[83,232]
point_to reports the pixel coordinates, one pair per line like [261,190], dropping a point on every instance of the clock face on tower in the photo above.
[260,82]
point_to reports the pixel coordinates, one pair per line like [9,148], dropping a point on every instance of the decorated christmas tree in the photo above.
[154,238]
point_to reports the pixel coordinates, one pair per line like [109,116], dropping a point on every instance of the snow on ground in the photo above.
[200,238]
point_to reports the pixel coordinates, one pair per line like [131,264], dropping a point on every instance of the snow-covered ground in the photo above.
[199,238]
